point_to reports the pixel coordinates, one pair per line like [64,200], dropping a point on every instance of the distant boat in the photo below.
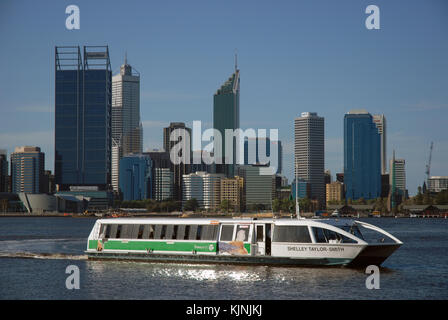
[98,214]
[335,213]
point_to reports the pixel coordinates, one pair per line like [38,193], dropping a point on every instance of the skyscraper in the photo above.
[163,184]
[181,136]
[163,177]
[27,170]
[127,131]
[259,189]
[3,171]
[135,177]
[380,122]
[362,156]
[226,115]
[398,173]
[309,153]
[82,117]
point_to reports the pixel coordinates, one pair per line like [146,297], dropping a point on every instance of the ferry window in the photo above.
[193,232]
[105,231]
[158,231]
[107,235]
[151,232]
[180,232]
[319,235]
[113,231]
[198,233]
[134,228]
[187,232]
[354,230]
[146,231]
[125,231]
[102,231]
[141,229]
[291,234]
[337,237]
[260,235]
[174,236]
[227,232]
[209,232]
[163,232]
[242,233]
[118,236]
[169,231]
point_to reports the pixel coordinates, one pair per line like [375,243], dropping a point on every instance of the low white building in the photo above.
[438,183]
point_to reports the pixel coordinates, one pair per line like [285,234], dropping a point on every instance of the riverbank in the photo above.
[197,215]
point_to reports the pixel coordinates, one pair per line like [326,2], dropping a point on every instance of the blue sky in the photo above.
[294,56]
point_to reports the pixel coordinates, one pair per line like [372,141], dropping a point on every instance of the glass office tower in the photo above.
[135,177]
[82,117]
[226,115]
[3,171]
[362,156]
[183,136]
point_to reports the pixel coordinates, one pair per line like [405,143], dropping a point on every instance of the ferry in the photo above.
[266,241]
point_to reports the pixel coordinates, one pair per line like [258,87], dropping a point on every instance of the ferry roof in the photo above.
[181,220]
[159,220]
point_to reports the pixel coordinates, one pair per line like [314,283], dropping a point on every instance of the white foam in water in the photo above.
[50,256]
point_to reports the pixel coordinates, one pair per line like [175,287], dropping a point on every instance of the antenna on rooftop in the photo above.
[236,60]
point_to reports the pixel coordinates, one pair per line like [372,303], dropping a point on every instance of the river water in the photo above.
[35,252]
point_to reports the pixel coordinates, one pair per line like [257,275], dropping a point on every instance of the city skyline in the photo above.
[329,65]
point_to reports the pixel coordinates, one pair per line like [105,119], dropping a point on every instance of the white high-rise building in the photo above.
[309,153]
[380,122]
[399,171]
[204,187]
[115,169]
[127,131]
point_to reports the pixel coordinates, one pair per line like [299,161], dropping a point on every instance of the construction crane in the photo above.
[428,166]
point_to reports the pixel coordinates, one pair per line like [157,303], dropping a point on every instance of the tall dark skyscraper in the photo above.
[362,156]
[83,117]
[226,115]
[178,169]
[3,171]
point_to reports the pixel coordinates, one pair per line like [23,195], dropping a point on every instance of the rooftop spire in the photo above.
[125,57]
[236,60]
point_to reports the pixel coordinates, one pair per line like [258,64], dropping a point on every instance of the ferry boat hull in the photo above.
[218,259]
[374,255]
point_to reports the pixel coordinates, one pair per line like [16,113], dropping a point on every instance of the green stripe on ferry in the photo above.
[155,245]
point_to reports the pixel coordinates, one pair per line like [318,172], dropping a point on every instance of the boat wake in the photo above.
[48,256]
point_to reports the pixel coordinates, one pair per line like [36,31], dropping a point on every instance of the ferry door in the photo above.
[261,239]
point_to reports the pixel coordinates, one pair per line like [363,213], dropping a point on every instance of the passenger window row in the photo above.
[159,231]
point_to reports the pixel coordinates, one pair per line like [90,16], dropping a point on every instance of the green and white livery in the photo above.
[300,242]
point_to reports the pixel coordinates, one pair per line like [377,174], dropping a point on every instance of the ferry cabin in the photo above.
[332,242]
